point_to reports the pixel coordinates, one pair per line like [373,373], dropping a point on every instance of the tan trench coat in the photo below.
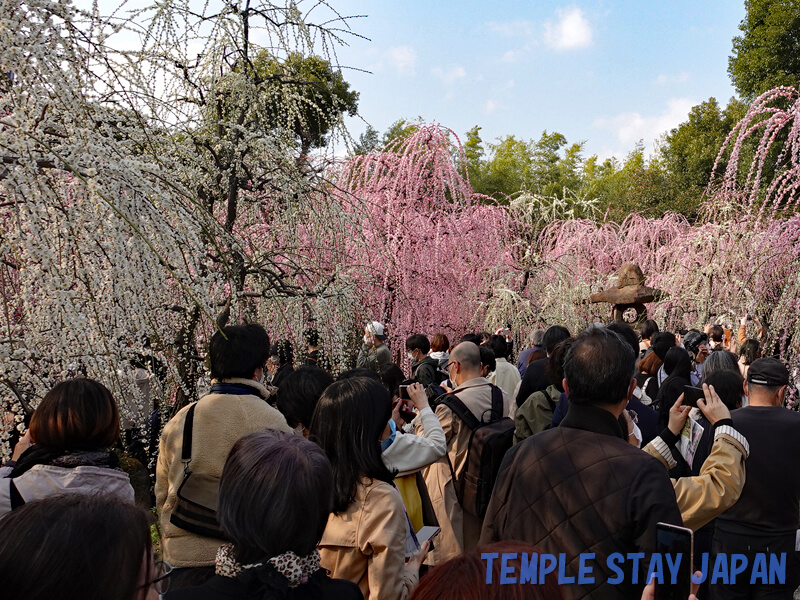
[460,530]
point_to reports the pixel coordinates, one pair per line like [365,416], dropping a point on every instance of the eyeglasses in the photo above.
[448,365]
[161,580]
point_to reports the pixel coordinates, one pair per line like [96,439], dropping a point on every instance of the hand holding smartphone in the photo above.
[674,540]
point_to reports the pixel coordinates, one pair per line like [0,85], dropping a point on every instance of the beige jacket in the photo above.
[703,498]
[460,530]
[219,420]
[366,543]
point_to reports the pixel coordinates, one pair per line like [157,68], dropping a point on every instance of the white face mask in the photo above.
[367,339]
[410,356]
[261,377]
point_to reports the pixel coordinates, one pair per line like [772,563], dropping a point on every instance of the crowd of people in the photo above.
[286,480]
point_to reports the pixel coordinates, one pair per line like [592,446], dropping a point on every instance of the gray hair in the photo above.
[720,360]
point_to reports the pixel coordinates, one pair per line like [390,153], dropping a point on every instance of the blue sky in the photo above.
[609,72]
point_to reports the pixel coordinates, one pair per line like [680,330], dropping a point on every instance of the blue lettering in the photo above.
[527,570]
[489,558]
[674,567]
[738,565]
[562,570]
[506,570]
[635,558]
[759,569]
[720,570]
[777,569]
[611,564]
[547,564]
[584,570]
[698,579]
[655,572]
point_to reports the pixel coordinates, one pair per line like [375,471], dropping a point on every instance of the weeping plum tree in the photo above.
[150,188]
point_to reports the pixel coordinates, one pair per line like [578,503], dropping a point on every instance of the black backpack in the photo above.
[488,444]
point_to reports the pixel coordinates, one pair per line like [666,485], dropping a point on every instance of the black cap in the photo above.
[769,372]
[661,342]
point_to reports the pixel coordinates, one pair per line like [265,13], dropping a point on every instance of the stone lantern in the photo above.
[630,293]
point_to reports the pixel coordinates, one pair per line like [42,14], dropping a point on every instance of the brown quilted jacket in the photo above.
[581,488]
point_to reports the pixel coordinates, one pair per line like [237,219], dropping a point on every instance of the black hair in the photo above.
[74,546]
[237,351]
[284,351]
[728,385]
[678,367]
[499,346]
[598,368]
[648,329]
[627,334]
[487,358]
[299,393]
[678,363]
[553,336]
[349,419]
[418,342]
[716,333]
[275,495]
[554,369]
[750,350]
[720,360]
[358,372]
[391,378]
[472,337]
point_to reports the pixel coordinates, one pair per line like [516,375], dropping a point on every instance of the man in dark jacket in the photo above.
[582,488]
[424,369]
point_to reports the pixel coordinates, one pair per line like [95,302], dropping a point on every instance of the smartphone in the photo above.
[428,532]
[407,413]
[674,540]
[404,393]
[691,395]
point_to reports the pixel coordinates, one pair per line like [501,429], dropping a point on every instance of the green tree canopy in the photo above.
[767,54]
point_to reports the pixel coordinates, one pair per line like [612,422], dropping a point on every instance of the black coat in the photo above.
[426,371]
[582,488]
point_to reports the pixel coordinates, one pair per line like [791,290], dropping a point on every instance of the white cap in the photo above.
[376,329]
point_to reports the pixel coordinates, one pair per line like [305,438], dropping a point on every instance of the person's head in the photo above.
[299,393]
[465,363]
[464,577]
[77,414]
[750,351]
[282,353]
[391,377]
[696,343]
[648,329]
[374,333]
[311,337]
[348,423]
[238,351]
[359,372]
[537,354]
[678,363]
[728,384]
[598,369]
[661,342]
[499,346]
[767,380]
[488,360]
[650,364]
[627,334]
[716,335]
[76,546]
[536,338]
[275,495]
[439,343]
[553,336]
[555,363]
[417,346]
[471,337]
[721,360]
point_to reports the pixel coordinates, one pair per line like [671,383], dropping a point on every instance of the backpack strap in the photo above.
[15,497]
[497,404]
[549,399]
[455,404]
[188,426]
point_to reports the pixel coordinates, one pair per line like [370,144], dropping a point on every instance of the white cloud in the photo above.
[491,106]
[681,77]
[631,127]
[571,31]
[404,59]
[451,75]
